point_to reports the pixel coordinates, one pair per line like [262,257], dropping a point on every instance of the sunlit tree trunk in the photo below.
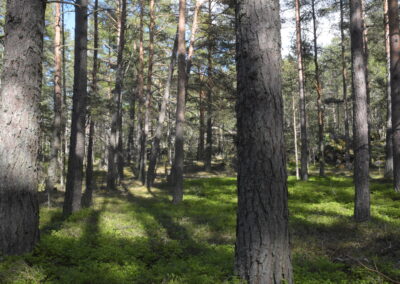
[209,140]
[54,170]
[180,107]
[360,114]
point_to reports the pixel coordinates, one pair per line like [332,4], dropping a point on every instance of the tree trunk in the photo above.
[140,79]
[209,141]
[54,169]
[303,114]
[87,196]
[180,107]
[389,133]
[148,93]
[262,252]
[155,149]
[344,85]
[200,148]
[321,146]
[360,116]
[64,103]
[73,193]
[296,155]
[116,111]
[395,87]
[19,133]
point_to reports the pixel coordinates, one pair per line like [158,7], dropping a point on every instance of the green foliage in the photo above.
[139,237]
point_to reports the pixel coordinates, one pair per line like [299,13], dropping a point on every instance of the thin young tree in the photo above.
[73,193]
[19,132]
[209,139]
[360,115]
[54,169]
[318,87]
[303,114]
[180,107]
[116,112]
[393,12]
[262,253]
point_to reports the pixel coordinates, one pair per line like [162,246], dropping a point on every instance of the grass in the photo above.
[134,236]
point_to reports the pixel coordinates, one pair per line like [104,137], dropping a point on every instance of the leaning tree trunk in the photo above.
[19,131]
[155,148]
[87,196]
[116,112]
[320,107]
[180,107]
[395,87]
[360,115]
[303,114]
[344,86]
[73,193]
[262,236]
[389,133]
[54,170]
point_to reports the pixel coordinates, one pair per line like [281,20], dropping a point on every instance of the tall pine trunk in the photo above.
[180,107]
[389,132]
[209,139]
[19,132]
[344,88]
[303,114]
[262,253]
[155,148]
[318,87]
[73,193]
[87,196]
[54,170]
[116,111]
[360,114]
[393,10]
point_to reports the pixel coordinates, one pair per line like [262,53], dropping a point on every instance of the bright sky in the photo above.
[325,31]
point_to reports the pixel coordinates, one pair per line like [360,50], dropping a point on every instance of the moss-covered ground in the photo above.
[136,236]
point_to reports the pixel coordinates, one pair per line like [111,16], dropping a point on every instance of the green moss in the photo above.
[137,237]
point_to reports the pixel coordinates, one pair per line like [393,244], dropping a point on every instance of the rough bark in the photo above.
[19,132]
[262,239]
[87,196]
[64,103]
[360,115]
[389,136]
[54,169]
[209,139]
[303,114]
[155,149]
[395,87]
[180,107]
[200,148]
[116,112]
[344,88]
[73,193]
[318,87]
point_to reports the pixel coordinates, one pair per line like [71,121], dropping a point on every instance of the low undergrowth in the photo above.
[136,236]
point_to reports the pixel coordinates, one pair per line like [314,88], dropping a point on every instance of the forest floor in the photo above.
[136,236]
